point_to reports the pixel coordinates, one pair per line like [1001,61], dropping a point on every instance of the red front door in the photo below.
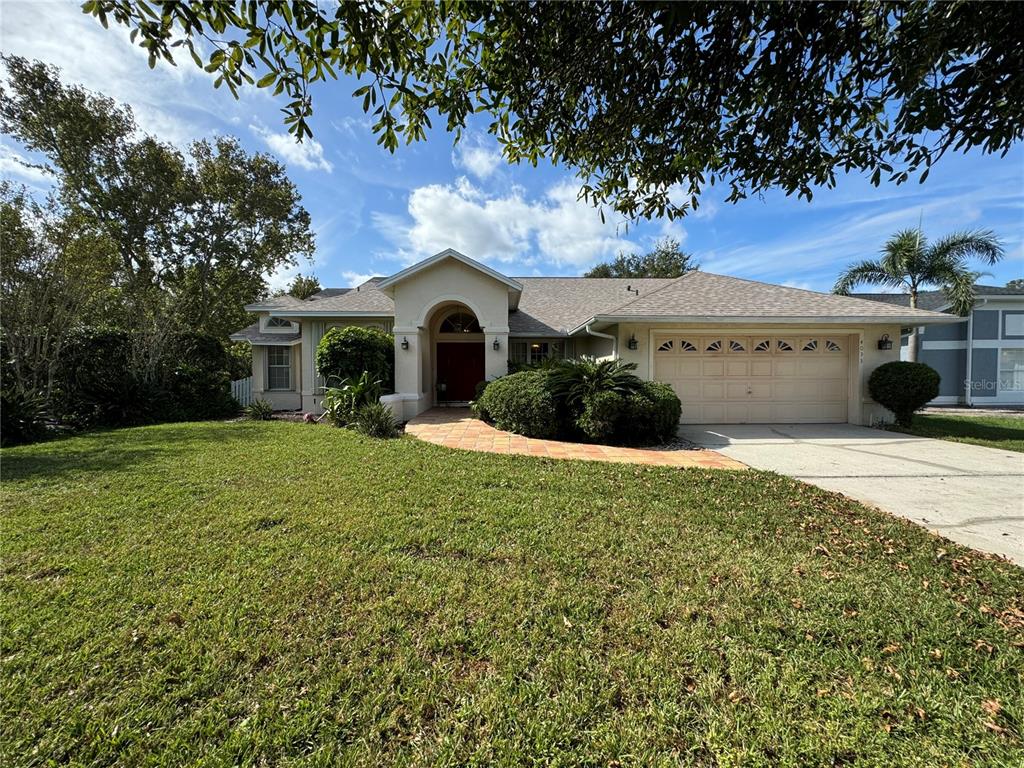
[460,367]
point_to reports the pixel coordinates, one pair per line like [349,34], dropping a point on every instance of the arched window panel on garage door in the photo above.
[666,346]
[763,345]
[831,345]
[809,345]
[713,345]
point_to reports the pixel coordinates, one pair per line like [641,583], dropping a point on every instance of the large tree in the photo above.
[56,269]
[910,262]
[196,233]
[641,99]
[666,259]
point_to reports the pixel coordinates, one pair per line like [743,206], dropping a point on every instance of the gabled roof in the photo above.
[705,297]
[449,253]
[937,300]
[365,299]
[552,305]
[253,335]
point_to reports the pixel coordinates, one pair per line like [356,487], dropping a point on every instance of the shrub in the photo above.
[475,406]
[601,415]
[522,403]
[259,410]
[651,414]
[196,379]
[903,388]
[341,403]
[97,383]
[375,420]
[22,417]
[345,353]
[573,381]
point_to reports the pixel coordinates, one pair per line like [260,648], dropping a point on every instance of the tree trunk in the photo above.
[912,342]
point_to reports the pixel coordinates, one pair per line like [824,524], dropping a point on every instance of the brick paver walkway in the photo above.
[456,428]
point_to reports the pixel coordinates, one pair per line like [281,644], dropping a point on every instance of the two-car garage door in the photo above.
[752,379]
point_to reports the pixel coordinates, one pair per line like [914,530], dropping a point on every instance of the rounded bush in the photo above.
[602,416]
[344,353]
[521,403]
[376,420]
[651,414]
[903,388]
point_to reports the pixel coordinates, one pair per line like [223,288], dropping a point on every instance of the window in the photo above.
[714,346]
[736,346]
[1013,324]
[460,322]
[665,346]
[533,351]
[783,346]
[762,346]
[810,345]
[832,346]
[687,346]
[279,367]
[278,322]
[1011,370]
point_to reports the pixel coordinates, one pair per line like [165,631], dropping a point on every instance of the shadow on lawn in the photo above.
[111,450]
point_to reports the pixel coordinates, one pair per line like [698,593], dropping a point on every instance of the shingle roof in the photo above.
[253,335]
[705,295]
[328,293]
[552,305]
[936,300]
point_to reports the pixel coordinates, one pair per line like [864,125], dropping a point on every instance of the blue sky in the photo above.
[375,212]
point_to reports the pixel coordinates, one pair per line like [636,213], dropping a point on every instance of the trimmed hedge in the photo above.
[345,353]
[521,403]
[536,403]
[903,388]
[648,415]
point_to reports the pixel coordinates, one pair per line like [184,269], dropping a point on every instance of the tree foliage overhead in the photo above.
[636,97]
[666,259]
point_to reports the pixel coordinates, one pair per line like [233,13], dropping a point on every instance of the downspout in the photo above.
[968,373]
[614,339]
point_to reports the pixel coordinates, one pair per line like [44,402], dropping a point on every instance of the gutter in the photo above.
[614,339]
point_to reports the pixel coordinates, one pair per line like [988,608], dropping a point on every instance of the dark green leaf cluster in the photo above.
[903,388]
[666,259]
[349,352]
[648,102]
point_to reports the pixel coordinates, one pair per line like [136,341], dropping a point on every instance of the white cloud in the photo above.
[556,229]
[477,156]
[308,154]
[353,279]
[12,163]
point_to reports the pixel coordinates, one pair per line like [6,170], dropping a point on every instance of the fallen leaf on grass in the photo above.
[992,706]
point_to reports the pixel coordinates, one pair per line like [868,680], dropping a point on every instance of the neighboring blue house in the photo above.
[981,360]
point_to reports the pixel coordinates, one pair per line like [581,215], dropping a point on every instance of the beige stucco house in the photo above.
[735,351]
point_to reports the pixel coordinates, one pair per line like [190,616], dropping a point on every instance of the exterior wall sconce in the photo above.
[632,343]
[405,342]
[496,345]
[885,342]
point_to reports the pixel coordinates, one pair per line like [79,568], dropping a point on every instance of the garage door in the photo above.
[755,379]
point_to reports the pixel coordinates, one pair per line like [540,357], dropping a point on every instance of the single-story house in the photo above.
[735,351]
[980,357]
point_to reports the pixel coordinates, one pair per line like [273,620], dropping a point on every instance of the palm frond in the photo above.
[868,273]
[959,289]
[982,244]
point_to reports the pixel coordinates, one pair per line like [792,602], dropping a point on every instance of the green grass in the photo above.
[1005,432]
[286,594]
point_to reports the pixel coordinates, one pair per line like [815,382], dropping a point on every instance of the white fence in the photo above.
[241,390]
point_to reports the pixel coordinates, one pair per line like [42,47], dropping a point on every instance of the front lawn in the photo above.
[1005,432]
[285,594]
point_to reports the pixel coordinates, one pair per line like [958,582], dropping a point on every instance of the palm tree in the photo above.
[910,262]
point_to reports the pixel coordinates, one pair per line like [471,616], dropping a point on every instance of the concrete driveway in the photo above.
[970,494]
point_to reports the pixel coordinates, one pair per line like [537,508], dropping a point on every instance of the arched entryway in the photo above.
[458,345]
